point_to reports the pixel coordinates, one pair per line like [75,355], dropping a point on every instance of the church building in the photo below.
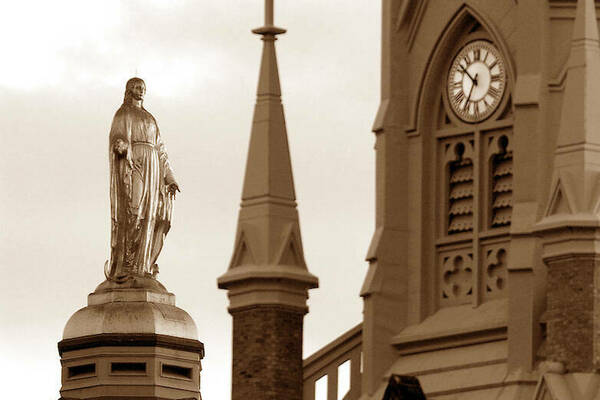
[481,279]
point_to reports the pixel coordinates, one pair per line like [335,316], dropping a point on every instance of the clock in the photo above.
[476,81]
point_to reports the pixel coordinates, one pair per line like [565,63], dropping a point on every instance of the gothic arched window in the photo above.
[473,140]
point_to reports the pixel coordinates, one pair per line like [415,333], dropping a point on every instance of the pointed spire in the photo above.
[268,169]
[585,27]
[575,191]
[580,119]
[268,258]
[570,228]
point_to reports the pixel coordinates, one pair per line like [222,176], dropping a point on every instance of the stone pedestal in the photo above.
[131,342]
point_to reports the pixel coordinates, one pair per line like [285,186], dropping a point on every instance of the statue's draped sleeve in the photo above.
[166,206]
[120,188]
[164,160]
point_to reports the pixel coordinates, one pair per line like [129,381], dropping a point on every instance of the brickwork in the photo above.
[267,353]
[570,313]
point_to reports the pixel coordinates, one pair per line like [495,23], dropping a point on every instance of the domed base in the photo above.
[138,305]
[131,341]
[134,282]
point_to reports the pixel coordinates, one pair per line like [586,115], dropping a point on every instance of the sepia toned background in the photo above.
[62,77]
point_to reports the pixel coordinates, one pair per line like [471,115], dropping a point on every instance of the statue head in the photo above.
[135,89]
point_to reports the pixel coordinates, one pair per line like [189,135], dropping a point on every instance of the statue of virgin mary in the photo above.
[142,189]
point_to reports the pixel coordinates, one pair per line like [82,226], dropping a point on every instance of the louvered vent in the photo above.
[460,213]
[502,178]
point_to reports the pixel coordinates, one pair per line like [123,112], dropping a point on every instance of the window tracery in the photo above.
[474,196]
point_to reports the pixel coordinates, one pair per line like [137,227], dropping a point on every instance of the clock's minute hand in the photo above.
[467,72]
[471,91]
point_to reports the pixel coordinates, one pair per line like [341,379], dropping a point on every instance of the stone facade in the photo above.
[482,267]
[482,277]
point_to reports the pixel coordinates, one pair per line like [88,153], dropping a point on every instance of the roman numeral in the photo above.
[456,85]
[493,64]
[458,97]
[495,93]
[496,78]
[470,107]
[477,54]
[483,104]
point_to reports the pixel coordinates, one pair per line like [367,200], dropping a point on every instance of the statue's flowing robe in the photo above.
[140,205]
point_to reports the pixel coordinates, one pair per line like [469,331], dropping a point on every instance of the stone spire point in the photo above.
[268,169]
[575,191]
[586,27]
[580,124]
[268,244]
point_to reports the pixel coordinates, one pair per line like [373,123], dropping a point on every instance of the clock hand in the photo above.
[471,91]
[467,72]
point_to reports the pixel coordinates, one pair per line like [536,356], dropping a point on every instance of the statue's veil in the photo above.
[129,85]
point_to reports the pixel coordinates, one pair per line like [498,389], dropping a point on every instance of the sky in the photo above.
[62,77]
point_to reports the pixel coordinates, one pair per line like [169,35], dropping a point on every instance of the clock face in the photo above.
[476,81]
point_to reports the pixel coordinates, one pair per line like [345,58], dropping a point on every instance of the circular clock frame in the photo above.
[476,81]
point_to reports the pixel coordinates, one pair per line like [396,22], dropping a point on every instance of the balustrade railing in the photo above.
[327,361]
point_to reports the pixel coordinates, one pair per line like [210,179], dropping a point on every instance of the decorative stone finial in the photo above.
[269,28]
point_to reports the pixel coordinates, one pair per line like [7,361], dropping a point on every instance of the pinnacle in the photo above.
[268,247]
[585,27]
[268,169]
[580,120]
[576,178]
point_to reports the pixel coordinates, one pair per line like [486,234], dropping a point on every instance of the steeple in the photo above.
[268,169]
[268,242]
[267,279]
[575,193]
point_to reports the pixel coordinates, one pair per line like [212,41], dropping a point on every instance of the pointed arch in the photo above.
[464,194]
[464,18]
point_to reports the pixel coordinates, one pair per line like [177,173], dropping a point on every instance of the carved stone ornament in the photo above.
[142,189]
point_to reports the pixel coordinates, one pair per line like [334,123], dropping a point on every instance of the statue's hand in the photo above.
[172,189]
[120,147]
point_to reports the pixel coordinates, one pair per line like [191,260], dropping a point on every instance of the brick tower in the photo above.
[267,279]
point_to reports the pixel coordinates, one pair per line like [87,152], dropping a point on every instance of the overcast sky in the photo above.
[62,75]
